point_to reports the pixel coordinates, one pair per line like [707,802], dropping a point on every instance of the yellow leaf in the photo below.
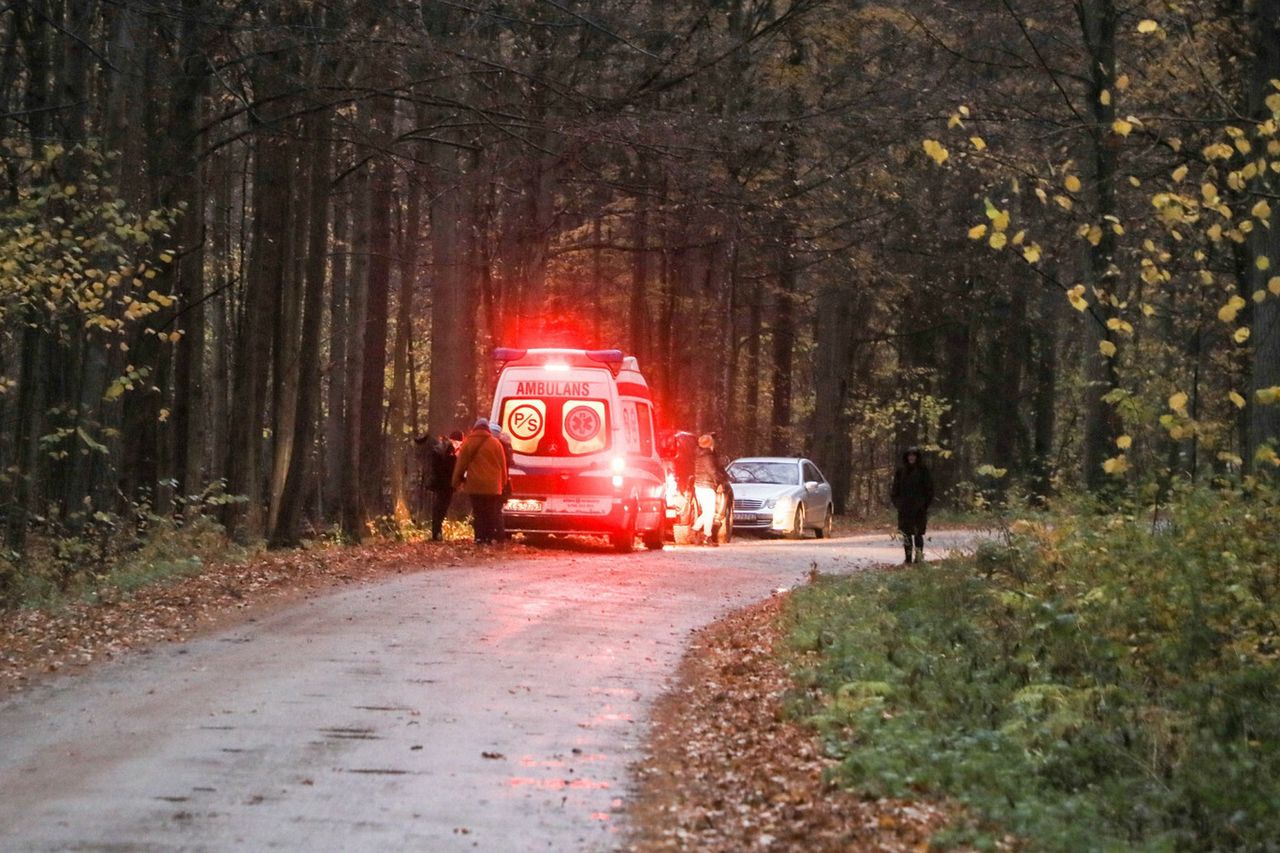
[964,111]
[1274,285]
[1107,348]
[1219,151]
[1122,82]
[936,151]
[1122,127]
[978,143]
[1237,400]
[954,121]
[1273,102]
[998,240]
[1104,98]
[1032,253]
[1241,335]
[164,415]
[1017,238]
[1094,236]
[1072,183]
[1124,442]
[1179,173]
[1261,210]
[978,231]
[1267,396]
[1116,465]
[1259,296]
[166,257]
[1178,401]
[69,189]
[1076,297]
[1147,26]
[1263,263]
[1063,201]
[1210,193]
[1227,313]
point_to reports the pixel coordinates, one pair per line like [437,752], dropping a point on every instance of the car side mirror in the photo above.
[811,486]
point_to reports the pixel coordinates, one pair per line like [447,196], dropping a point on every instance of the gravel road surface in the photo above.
[492,707]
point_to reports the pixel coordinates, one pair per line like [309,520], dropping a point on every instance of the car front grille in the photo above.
[743,504]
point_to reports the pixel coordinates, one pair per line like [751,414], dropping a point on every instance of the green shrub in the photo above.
[1094,682]
[111,555]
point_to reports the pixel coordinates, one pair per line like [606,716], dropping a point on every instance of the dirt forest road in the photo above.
[489,707]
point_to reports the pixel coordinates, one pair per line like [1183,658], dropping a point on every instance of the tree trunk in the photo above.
[298,480]
[1264,421]
[265,279]
[401,433]
[452,351]
[1098,24]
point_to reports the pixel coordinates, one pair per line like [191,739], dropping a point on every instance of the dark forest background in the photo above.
[249,249]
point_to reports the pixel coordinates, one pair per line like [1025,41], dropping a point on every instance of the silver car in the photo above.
[782,495]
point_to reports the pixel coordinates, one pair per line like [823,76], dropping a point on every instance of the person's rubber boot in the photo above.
[919,549]
[906,546]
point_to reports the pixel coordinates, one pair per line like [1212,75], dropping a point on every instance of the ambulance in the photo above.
[586,461]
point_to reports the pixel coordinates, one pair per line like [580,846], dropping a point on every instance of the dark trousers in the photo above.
[486,511]
[440,499]
[912,524]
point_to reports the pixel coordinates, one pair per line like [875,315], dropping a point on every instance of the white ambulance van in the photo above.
[586,458]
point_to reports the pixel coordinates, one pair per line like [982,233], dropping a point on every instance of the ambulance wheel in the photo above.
[654,539]
[623,542]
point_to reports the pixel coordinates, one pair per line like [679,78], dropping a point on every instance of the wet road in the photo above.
[494,707]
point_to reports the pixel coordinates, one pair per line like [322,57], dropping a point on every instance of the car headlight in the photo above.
[771,503]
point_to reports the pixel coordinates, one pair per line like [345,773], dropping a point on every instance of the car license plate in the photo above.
[523,505]
[578,505]
[743,517]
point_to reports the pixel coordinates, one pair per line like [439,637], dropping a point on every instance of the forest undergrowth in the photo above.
[1091,680]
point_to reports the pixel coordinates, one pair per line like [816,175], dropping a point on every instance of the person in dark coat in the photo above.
[709,479]
[912,494]
[438,457]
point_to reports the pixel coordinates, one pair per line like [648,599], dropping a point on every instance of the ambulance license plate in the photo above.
[579,505]
[523,505]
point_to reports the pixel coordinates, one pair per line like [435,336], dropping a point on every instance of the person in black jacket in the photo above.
[437,475]
[912,494]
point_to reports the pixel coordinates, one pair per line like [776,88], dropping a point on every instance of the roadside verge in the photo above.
[727,770]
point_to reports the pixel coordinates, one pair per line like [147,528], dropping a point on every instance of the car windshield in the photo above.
[779,473]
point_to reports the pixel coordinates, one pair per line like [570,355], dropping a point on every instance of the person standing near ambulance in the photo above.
[481,472]
[708,477]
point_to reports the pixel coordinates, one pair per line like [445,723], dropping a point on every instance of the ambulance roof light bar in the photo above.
[562,359]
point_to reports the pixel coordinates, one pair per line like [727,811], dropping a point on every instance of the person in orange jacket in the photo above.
[481,472]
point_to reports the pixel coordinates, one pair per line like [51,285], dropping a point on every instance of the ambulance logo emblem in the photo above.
[525,422]
[582,424]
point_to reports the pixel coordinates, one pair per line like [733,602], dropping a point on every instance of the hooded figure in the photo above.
[912,494]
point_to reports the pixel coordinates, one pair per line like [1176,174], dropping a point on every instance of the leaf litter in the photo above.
[728,770]
[36,642]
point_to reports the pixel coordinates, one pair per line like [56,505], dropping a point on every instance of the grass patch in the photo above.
[111,558]
[1097,683]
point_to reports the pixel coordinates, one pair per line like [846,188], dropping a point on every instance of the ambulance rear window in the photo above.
[553,426]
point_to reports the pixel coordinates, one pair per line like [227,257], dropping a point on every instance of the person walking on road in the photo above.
[437,477]
[481,472]
[912,493]
[708,478]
